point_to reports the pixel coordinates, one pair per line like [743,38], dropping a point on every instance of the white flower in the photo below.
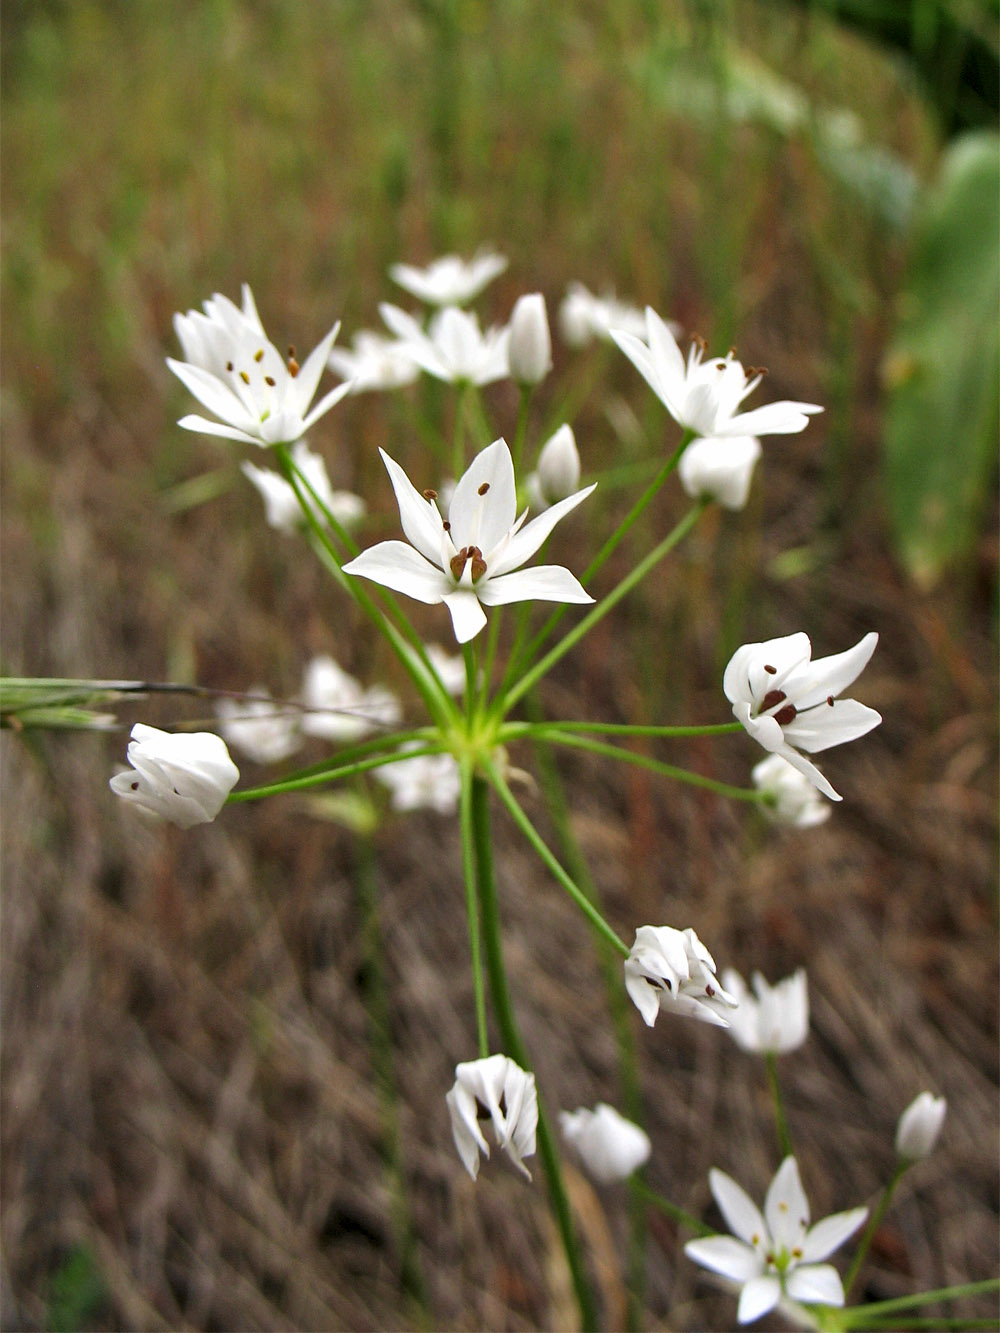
[530,346]
[672,970]
[281,505]
[425,782]
[720,469]
[449,280]
[919,1127]
[259,727]
[450,669]
[558,471]
[788,702]
[340,709]
[790,797]
[704,396]
[466,560]
[498,1088]
[184,777]
[611,1146]
[454,348]
[776,1254]
[234,371]
[375,363]
[773,1022]
[584,316]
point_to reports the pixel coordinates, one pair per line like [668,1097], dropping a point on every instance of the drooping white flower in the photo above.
[449,280]
[467,560]
[720,469]
[339,708]
[919,1127]
[789,796]
[234,371]
[776,1254]
[704,396]
[498,1088]
[454,348]
[584,316]
[558,471]
[376,363]
[259,727]
[183,777]
[281,506]
[789,703]
[771,1020]
[530,346]
[425,782]
[671,970]
[611,1146]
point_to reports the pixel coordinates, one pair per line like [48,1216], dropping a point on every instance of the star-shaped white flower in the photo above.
[375,363]
[776,1254]
[339,708]
[183,777]
[610,1146]
[704,396]
[454,348]
[425,782]
[469,560]
[584,316]
[281,504]
[672,970]
[497,1088]
[770,1020]
[449,280]
[234,371]
[789,703]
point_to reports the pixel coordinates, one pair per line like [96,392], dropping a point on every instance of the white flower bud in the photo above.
[919,1126]
[184,777]
[610,1146]
[558,472]
[720,469]
[530,347]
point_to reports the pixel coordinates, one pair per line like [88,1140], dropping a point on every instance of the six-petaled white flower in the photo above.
[234,371]
[704,396]
[610,1146]
[468,560]
[672,970]
[449,280]
[584,316]
[497,1088]
[789,796]
[776,1254]
[183,777]
[263,729]
[770,1020]
[454,348]
[919,1127]
[339,708]
[425,782]
[374,363]
[720,469]
[281,505]
[789,703]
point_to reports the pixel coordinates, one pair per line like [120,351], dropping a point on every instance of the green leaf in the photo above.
[941,369]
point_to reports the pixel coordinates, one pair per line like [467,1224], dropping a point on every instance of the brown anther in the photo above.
[786,715]
[291,351]
[269,381]
[478,564]
[446,525]
[829,699]
[229,367]
[457,563]
[699,341]
[771,671]
[244,377]
[484,488]
[258,356]
[293,367]
[710,991]
[797,1252]
[732,351]
[430,494]
[773,697]
[134,786]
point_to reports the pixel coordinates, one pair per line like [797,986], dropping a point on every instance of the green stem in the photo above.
[328,775]
[531,833]
[870,1316]
[629,729]
[472,904]
[570,640]
[874,1222]
[781,1123]
[480,812]
[672,1211]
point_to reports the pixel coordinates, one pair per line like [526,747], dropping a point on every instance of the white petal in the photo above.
[419,516]
[398,566]
[758,1296]
[830,675]
[523,545]
[829,1234]
[815,776]
[325,403]
[640,356]
[542,583]
[746,677]
[206,427]
[725,1255]
[667,358]
[210,392]
[817,1284]
[306,382]
[467,616]
[786,1207]
[783,418]
[827,725]
[742,1215]
[483,518]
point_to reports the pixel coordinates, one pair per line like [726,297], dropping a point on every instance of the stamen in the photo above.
[293,365]
[484,488]
[430,494]
[478,563]
[229,367]
[446,525]
[258,356]
[773,697]
[244,377]
[829,699]
[771,671]
[710,991]
[786,715]
[797,1252]
[269,381]
[699,341]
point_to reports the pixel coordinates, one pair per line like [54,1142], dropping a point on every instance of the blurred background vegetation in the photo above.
[190,1138]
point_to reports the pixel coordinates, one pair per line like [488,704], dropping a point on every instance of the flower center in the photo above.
[465,555]
[771,700]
